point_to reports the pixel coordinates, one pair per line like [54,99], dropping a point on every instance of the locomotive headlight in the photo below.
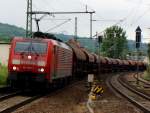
[29,57]
[41,70]
[15,61]
[14,68]
[41,63]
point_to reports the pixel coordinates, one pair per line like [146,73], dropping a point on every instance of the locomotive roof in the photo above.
[61,44]
[29,39]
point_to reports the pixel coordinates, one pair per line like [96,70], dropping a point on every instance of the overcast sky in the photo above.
[127,13]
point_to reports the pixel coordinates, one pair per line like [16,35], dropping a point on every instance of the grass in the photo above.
[146,76]
[3,75]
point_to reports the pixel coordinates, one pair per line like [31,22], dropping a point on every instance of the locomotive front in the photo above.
[28,61]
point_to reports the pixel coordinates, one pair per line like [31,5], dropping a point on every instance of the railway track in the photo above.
[7,92]
[12,101]
[141,100]
[5,88]
[142,80]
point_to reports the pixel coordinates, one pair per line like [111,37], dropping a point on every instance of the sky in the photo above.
[126,13]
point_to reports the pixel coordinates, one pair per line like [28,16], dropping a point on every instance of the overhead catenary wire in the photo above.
[118,22]
[133,16]
[87,6]
[127,18]
[131,12]
[58,25]
[136,10]
[108,20]
[45,4]
[123,23]
[140,16]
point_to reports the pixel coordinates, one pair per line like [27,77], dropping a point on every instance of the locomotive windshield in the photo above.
[32,47]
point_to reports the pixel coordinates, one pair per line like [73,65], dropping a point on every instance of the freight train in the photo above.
[47,61]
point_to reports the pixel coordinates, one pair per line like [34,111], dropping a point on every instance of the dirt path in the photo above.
[71,100]
[74,100]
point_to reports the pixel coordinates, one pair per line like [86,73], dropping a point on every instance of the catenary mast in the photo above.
[29,19]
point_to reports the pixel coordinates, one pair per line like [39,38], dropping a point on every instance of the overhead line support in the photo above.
[43,12]
[76,12]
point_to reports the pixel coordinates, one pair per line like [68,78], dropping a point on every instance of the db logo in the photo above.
[98,90]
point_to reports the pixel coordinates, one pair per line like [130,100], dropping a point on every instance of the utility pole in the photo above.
[99,41]
[91,17]
[29,19]
[76,28]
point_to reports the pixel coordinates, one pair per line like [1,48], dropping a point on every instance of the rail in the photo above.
[133,96]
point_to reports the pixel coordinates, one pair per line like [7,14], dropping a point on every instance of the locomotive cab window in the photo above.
[32,47]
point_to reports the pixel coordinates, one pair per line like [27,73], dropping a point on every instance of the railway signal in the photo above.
[138,37]
[138,41]
[100,39]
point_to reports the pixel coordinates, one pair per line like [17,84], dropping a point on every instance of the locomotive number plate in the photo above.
[28,62]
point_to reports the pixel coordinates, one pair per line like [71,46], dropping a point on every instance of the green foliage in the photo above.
[114,43]
[147,74]
[3,75]
[8,31]
[86,42]
[92,44]
[147,77]
[148,51]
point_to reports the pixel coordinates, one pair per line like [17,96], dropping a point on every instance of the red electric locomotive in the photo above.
[38,60]
[45,61]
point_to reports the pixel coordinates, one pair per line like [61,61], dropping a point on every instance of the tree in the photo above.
[114,44]
[147,72]
[148,51]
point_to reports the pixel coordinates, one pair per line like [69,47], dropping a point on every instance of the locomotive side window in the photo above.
[32,47]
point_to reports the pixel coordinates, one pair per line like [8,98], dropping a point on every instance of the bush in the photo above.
[147,74]
[3,75]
